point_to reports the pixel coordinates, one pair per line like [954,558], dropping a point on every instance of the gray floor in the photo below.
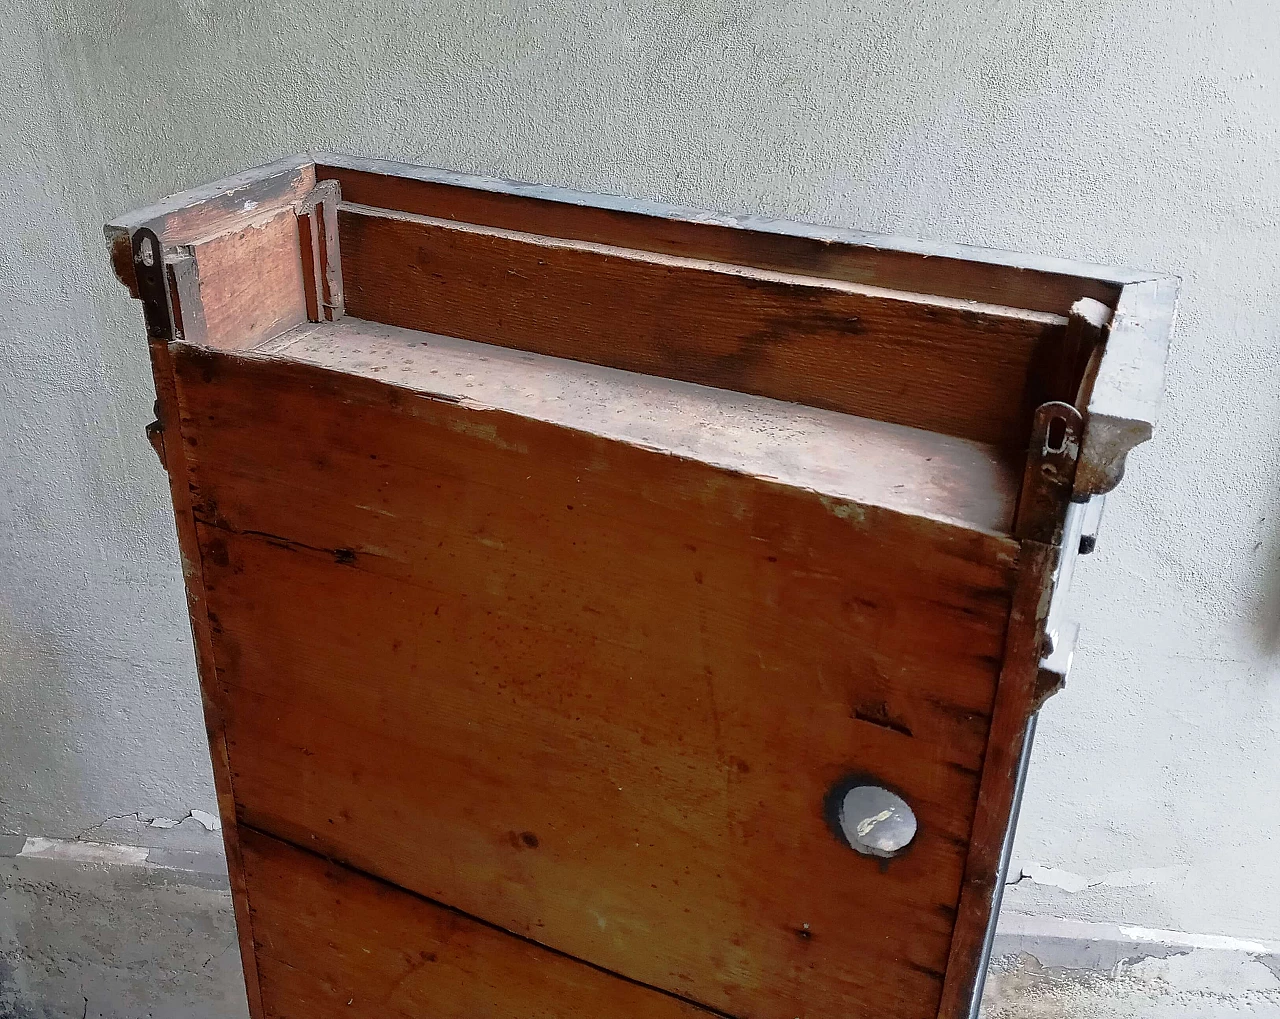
[89,941]
[95,942]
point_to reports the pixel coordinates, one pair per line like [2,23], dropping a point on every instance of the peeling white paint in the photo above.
[1069,882]
[210,822]
[83,852]
[1213,942]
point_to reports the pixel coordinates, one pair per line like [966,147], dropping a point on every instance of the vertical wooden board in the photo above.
[334,943]
[251,281]
[1014,707]
[651,801]
[174,456]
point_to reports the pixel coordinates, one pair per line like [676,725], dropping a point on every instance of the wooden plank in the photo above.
[1125,397]
[174,457]
[210,209]
[1014,706]
[953,367]
[870,462]
[321,261]
[676,655]
[951,270]
[332,942]
[309,230]
[252,284]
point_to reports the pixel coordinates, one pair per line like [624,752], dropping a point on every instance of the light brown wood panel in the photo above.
[955,367]
[580,652]
[589,692]
[870,462]
[332,942]
[970,273]
[251,284]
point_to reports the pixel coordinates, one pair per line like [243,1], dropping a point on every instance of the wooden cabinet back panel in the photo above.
[591,693]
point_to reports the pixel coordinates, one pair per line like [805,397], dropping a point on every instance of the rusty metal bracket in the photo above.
[1049,473]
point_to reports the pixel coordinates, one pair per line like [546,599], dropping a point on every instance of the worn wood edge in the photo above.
[184,299]
[175,460]
[1124,403]
[210,208]
[1008,545]
[321,260]
[1014,707]
[374,345]
[328,162]
[913,298]
[1071,380]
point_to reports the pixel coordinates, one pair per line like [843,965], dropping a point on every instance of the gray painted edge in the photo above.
[829,234]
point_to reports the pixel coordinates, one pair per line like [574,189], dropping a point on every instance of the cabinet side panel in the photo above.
[176,464]
[591,693]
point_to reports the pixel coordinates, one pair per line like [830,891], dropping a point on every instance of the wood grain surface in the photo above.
[334,943]
[210,209]
[251,284]
[950,270]
[592,693]
[1014,705]
[954,367]
[873,463]
[527,680]
[173,451]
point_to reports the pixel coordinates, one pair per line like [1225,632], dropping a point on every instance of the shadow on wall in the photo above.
[36,683]
[1267,620]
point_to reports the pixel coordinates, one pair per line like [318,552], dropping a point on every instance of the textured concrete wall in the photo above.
[1141,133]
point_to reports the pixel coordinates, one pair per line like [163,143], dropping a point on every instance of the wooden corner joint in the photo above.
[1123,382]
[318,241]
[209,209]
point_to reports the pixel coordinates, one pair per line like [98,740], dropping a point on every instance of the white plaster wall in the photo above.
[1140,132]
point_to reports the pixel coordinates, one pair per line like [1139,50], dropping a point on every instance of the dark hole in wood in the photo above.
[1055,439]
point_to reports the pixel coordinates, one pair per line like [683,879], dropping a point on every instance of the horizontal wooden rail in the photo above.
[950,366]
[950,270]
